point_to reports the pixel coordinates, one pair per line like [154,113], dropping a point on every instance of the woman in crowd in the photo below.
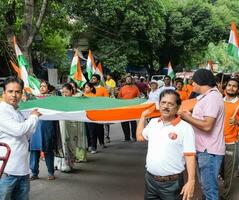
[73,136]
[92,128]
[44,139]
[89,90]
[76,91]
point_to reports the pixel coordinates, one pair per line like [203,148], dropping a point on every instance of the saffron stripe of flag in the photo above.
[16,69]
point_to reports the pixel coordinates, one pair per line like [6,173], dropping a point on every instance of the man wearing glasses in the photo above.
[171,144]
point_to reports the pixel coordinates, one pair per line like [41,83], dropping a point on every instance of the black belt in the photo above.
[173,177]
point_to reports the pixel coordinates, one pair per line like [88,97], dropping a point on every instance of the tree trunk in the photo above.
[29,29]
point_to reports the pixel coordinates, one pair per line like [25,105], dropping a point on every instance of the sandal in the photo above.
[51,177]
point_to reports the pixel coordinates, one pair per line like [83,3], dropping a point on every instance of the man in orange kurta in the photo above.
[231,121]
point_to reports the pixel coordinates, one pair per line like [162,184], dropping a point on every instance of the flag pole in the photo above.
[222,79]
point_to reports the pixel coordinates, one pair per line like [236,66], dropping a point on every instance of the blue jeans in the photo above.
[14,187]
[34,162]
[208,171]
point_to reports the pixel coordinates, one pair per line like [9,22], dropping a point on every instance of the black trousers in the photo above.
[168,190]
[126,129]
[95,131]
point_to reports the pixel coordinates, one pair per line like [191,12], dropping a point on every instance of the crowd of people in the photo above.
[204,138]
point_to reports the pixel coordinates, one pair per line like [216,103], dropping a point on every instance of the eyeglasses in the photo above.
[170,105]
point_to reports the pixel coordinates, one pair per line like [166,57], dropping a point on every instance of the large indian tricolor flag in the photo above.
[233,43]
[75,71]
[98,109]
[31,84]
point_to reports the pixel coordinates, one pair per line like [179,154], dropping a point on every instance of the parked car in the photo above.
[159,79]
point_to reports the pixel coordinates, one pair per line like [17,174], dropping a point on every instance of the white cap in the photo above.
[154,81]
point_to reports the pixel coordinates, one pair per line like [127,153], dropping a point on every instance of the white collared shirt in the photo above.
[15,131]
[167,146]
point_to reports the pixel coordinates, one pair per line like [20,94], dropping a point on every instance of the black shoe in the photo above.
[33,178]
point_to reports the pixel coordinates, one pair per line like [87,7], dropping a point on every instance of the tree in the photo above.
[218,54]
[122,31]
[31,25]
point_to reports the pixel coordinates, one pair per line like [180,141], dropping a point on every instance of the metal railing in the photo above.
[4,158]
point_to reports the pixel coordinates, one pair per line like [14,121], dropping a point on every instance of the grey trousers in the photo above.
[230,167]
[168,190]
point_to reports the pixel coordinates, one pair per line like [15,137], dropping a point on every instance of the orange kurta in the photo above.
[128,92]
[188,88]
[101,92]
[183,95]
[230,130]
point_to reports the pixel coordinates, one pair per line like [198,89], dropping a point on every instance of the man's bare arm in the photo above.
[206,124]
[141,125]
[188,188]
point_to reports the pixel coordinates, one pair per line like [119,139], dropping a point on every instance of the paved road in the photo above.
[115,173]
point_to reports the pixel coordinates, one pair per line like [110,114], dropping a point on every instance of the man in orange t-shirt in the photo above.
[231,104]
[100,90]
[97,130]
[129,91]
[179,88]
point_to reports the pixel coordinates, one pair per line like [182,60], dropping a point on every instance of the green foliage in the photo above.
[218,54]
[128,31]
[186,32]
[55,47]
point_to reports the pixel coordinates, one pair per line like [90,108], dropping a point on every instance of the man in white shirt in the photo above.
[15,131]
[167,84]
[171,144]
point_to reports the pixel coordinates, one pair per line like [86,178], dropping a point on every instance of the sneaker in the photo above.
[65,168]
[134,140]
[93,151]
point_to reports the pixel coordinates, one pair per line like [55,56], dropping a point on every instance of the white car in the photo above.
[159,79]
